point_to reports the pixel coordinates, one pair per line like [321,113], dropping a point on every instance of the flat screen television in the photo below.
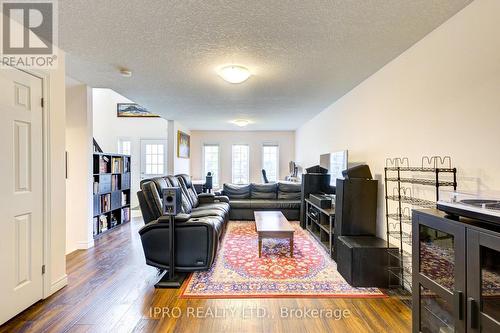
[335,162]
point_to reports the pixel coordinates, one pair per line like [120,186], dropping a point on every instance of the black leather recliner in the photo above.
[198,229]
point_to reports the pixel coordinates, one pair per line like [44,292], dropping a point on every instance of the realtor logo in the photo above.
[29,33]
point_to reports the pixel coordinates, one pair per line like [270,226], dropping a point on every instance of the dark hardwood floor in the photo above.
[111,290]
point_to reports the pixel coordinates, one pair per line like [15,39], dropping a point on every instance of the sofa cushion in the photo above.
[238,204]
[237,191]
[216,221]
[187,205]
[173,181]
[289,191]
[264,191]
[214,205]
[185,181]
[275,204]
[153,199]
[161,184]
[207,212]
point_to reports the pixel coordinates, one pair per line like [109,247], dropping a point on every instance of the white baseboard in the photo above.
[84,245]
[59,284]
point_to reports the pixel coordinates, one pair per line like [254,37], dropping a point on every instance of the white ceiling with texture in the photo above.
[304,54]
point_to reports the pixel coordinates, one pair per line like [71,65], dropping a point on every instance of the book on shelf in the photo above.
[126,164]
[126,214]
[96,225]
[103,223]
[116,163]
[103,164]
[105,202]
[96,187]
[124,199]
[114,221]
[115,185]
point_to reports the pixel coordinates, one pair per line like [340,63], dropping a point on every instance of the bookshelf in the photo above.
[111,187]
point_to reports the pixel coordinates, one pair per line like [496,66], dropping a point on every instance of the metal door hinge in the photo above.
[42,102]
[43,269]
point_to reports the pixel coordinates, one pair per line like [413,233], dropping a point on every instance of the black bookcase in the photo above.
[111,188]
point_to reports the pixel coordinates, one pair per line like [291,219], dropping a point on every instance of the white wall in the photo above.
[177,165]
[79,153]
[108,129]
[440,97]
[255,139]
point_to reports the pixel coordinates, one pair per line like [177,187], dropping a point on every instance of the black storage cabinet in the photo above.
[455,274]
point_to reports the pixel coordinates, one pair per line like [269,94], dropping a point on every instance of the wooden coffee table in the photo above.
[273,224]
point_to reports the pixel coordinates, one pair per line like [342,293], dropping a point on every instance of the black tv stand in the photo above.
[320,223]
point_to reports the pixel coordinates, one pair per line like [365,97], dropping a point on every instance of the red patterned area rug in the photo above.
[238,272]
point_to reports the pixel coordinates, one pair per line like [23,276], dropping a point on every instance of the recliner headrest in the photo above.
[186,179]
[161,183]
[174,182]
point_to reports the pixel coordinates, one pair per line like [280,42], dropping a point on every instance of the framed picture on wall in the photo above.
[133,110]
[183,145]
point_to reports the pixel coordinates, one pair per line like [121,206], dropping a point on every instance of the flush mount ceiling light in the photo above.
[241,122]
[234,73]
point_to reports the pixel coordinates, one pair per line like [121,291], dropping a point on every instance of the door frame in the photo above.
[46,184]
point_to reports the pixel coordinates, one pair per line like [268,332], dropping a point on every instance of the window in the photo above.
[155,161]
[270,161]
[125,147]
[153,157]
[211,162]
[241,156]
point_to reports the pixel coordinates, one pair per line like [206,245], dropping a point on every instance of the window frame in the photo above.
[248,163]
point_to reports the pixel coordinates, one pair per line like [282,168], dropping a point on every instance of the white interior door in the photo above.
[21,192]
[153,158]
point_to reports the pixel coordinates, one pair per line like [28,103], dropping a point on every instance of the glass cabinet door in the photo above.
[436,314]
[438,249]
[437,256]
[483,282]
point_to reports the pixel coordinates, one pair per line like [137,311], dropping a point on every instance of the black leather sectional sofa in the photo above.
[245,199]
[198,229]
[204,217]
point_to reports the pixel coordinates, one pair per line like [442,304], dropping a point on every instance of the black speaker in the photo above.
[359,171]
[317,169]
[355,208]
[172,200]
